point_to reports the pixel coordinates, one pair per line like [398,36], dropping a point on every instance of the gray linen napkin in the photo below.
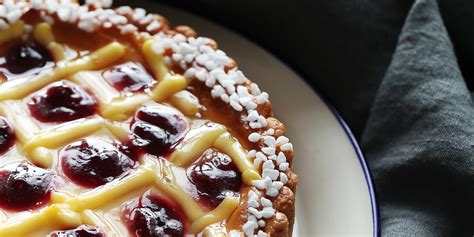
[419,139]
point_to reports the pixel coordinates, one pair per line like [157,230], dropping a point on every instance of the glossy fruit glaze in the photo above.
[157,129]
[24,186]
[154,216]
[93,162]
[62,102]
[215,177]
[129,77]
[7,136]
[22,59]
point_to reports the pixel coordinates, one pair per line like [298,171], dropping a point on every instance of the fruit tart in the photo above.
[114,123]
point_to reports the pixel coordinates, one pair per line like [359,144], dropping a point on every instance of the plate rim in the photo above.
[360,156]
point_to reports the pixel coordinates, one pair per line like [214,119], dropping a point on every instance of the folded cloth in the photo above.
[419,138]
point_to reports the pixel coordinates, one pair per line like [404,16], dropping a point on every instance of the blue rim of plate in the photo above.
[363,164]
[360,156]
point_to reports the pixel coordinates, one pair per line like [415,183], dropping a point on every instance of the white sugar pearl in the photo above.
[266,202]
[146,20]
[252,116]
[269,141]
[272,192]
[138,14]
[236,106]
[129,28]
[271,173]
[190,72]
[243,91]
[201,75]
[253,195]
[269,150]
[268,182]
[268,212]
[251,106]
[284,166]
[255,125]
[253,203]
[257,162]
[260,184]
[281,158]
[268,165]
[249,228]
[3,24]
[254,137]
[252,153]
[177,57]
[153,26]
[123,10]
[13,16]
[254,212]
[263,121]
[277,185]
[261,156]
[234,233]
[286,147]
[272,157]
[225,98]
[282,140]
[283,178]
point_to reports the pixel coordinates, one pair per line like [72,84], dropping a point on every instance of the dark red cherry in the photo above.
[62,102]
[93,162]
[24,186]
[129,77]
[81,231]
[24,57]
[7,137]
[215,177]
[157,129]
[154,216]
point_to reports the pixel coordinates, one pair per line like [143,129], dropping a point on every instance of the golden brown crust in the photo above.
[278,226]
[186,31]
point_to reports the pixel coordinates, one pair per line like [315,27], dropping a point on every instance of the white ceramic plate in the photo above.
[335,194]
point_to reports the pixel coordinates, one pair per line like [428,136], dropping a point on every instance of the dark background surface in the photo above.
[341,47]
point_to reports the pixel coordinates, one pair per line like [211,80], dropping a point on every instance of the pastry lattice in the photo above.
[36,143]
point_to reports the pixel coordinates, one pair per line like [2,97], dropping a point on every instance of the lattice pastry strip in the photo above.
[117,107]
[36,142]
[14,31]
[110,225]
[43,34]
[96,60]
[25,129]
[54,216]
[215,137]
